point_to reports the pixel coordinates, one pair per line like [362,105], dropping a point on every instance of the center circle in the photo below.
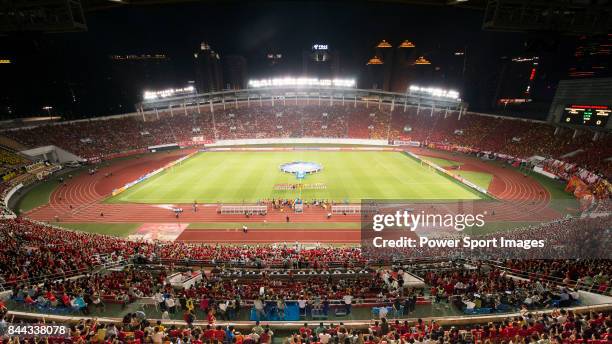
[301,167]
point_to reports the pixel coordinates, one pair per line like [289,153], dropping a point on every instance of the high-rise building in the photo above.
[384,49]
[209,74]
[403,63]
[592,57]
[274,63]
[394,68]
[234,72]
[320,61]
[374,76]
[274,58]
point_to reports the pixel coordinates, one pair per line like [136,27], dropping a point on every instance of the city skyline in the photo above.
[85,84]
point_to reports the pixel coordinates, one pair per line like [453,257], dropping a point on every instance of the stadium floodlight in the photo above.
[152,95]
[435,92]
[303,81]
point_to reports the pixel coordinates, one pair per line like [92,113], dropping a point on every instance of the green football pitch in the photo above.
[236,177]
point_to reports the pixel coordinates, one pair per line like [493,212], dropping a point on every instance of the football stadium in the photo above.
[302,204]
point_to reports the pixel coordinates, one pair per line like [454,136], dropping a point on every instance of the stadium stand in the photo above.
[515,137]
[34,251]
[59,272]
[556,327]
[55,271]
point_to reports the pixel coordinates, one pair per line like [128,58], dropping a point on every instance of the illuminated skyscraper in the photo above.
[403,58]
[234,72]
[392,68]
[385,50]
[374,74]
[209,74]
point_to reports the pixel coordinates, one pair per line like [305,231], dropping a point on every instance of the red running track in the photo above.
[80,200]
[259,236]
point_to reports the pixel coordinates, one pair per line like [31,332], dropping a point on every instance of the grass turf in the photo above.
[481,179]
[41,192]
[37,196]
[236,177]
[114,229]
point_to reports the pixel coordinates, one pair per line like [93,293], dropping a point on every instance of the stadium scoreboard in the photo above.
[587,115]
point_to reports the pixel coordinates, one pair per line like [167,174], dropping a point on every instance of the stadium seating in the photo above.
[36,259]
[556,327]
[33,251]
[515,137]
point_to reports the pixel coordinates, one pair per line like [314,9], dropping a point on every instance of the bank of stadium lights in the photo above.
[435,92]
[280,82]
[151,95]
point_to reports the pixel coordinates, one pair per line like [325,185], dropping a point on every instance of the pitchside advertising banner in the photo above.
[483,229]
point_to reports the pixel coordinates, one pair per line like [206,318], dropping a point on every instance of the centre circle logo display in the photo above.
[301,168]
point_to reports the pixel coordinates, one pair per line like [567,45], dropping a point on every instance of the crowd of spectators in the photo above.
[568,238]
[583,271]
[312,118]
[556,327]
[33,253]
[490,290]
[17,171]
[31,250]
[135,328]
[88,291]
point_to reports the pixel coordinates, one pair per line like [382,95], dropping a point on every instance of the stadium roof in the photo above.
[291,93]
[92,5]
[569,16]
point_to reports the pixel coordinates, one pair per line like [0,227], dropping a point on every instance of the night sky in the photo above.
[50,68]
